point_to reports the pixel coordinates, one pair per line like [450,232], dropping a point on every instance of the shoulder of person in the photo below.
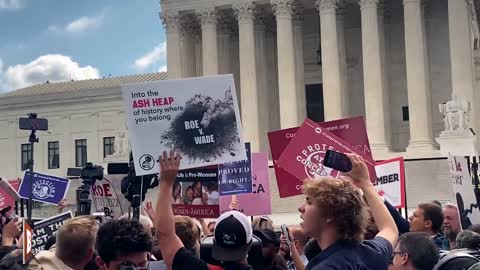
[379,244]
[184,259]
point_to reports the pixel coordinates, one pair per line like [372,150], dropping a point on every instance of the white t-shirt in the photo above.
[213,198]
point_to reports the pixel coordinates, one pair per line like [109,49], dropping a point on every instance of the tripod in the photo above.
[32,139]
[84,204]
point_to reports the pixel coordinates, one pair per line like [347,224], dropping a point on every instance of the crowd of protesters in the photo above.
[345,225]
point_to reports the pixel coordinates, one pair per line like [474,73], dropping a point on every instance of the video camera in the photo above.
[133,187]
[89,174]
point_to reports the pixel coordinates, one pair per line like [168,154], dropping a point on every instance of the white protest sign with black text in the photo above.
[197,116]
[390,182]
[463,190]
[107,196]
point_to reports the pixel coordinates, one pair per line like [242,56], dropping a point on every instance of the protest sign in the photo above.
[107,196]
[304,155]
[390,182]
[467,202]
[46,188]
[352,130]
[197,116]
[195,193]
[47,228]
[27,242]
[258,202]
[236,177]
[8,194]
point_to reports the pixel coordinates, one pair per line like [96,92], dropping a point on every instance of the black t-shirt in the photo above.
[185,260]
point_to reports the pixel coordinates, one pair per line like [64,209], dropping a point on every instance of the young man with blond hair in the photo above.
[335,214]
[74,246]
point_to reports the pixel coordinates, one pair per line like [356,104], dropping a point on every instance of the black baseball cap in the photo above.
[233,237]
[268,236]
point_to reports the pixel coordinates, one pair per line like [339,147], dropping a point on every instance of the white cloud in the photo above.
[80,25]
[163,69]
[12,4]
[152,57]
[51,67]
[83,24]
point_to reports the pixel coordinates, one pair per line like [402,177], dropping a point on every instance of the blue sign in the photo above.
[236,177]
[46,188]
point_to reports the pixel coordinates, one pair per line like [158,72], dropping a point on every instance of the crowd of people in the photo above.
[345,225]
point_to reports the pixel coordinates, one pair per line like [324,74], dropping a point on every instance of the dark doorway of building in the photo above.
[314,95]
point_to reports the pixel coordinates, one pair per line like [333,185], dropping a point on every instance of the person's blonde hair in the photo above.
[75,239]
[340,201]
[189,233]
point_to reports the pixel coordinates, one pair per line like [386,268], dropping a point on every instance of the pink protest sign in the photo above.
[6,199]
[258,202]
[352,130]
[303,157]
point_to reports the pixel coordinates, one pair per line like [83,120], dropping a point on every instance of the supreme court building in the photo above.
[392,61]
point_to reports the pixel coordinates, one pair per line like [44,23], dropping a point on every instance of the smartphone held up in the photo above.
[337,161]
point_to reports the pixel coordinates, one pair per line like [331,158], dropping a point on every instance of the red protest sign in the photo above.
[303,157]
[352,130]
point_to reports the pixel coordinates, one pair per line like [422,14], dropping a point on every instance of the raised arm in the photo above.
[164,221]
[361,178]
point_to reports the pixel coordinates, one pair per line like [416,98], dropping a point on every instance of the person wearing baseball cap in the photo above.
[270,248]
[232,240]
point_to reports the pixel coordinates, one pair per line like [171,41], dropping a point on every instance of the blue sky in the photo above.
[58,40]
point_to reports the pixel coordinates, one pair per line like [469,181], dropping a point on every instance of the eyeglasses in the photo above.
[396,253]
[133,266]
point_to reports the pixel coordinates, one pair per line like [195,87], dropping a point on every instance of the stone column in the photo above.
[264,90]
[174,61]
[272,74]
[333,95]
[286,63]
[419,101]
[461,55]
[342,58]
[208,20]
[189,27]
[198,54]
[224,47]
[299,61]
[375,102]
[248,72]
[383,54]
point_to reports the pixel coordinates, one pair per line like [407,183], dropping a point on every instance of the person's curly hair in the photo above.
[120,237]
[340,201]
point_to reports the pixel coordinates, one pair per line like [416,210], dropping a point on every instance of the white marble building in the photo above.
[392,61]
[389,60]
